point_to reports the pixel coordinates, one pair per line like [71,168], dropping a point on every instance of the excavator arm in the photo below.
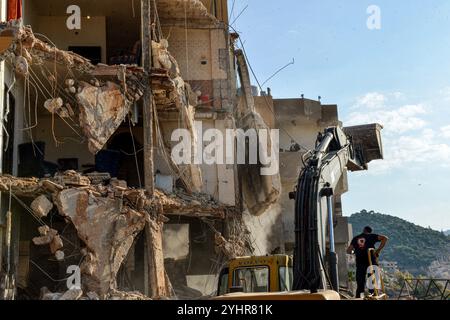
[335,153]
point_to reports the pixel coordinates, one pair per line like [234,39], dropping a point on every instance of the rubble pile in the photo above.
[107,216]
[231,248]
[78,294]
[194,205]
[107,219]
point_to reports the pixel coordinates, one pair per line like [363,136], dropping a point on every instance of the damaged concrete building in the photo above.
[87,114]
[88,180]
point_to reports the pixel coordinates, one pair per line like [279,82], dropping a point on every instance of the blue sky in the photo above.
[398,76]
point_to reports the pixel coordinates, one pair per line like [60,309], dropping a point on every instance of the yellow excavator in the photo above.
[312,273]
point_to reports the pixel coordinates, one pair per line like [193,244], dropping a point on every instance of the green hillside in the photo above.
[413,247]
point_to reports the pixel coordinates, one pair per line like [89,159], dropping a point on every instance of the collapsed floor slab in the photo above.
[107,218]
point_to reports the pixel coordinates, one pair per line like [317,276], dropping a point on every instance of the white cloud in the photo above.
[445,131]
[408,141]
[398,120]
[371,100]
[413,150]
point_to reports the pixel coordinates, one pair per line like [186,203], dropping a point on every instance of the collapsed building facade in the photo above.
[87,174]
[88,118]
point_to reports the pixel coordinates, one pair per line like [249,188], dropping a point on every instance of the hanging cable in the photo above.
[278,71]
[135,153]
[232,9]
[238,16]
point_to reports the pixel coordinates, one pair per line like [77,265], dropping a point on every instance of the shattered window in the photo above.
[252,279]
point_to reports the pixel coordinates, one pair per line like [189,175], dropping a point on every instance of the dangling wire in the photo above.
[135,153]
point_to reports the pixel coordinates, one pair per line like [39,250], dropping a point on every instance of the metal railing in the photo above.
[425,289]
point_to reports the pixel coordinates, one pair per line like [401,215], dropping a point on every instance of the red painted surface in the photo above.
[14,9]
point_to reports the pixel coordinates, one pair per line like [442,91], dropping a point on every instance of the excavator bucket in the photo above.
[366,142]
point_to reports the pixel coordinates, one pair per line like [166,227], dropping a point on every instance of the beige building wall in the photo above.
[92,33]
[203,56]
[71,144]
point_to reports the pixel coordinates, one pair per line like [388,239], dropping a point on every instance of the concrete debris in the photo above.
[25,44]
[259,192]
[171,92]
[72,179]
[22,187]
[53,105]
[194,205]
[78,294]
[92,296]
[46,237]
[232,248]
[56,106]
[107,218]
[103,104]
[100,178]
[22,65]
[177,203]
[45,230]
[59,255]
[56,244]
[107,228]
[102,110]
[49,237]
[120,295]
[72,294]
[116,183]
[41,206]
[47,295]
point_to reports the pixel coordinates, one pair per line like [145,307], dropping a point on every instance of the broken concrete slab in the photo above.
[259,191]
[71,178]
[107,229]
[102,110]
[72,294]
[92,296]
[56,244]
[47,236]
[107,219]
[41,206]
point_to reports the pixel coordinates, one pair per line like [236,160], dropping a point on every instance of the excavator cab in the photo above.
[256,275]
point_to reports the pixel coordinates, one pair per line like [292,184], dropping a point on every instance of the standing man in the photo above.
[360,245]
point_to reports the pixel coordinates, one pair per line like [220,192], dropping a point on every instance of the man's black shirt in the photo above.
[362,244]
